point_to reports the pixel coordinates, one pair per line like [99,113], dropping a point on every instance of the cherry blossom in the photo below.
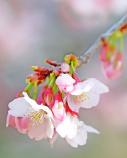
[112,57]
[113,69]
[39,117]
[65,82]
[86,94]
[74,131]
[53,108]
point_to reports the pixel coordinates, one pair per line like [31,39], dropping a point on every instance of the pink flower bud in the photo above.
[112,69]
[65,67]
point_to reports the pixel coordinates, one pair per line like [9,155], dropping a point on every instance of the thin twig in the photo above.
[86,56]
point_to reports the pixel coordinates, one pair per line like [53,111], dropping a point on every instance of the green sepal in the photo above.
[72,67]
[28,87]
[55,88]
[52,79]
[35,90]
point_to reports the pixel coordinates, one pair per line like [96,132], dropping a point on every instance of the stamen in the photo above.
[37,117]
[80,98]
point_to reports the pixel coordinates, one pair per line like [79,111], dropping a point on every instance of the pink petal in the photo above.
[10,121]
[22,124]
[59,112]
[54,138]
[110,72]
[41,131]
[64,82]
[65,67]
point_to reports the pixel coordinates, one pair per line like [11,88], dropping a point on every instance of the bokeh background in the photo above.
[31,31]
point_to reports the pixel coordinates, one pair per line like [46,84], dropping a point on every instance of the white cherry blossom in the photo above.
[86,94]
[41,117]
[74,131]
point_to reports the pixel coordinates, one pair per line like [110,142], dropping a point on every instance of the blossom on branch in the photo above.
[86,94]
[39,118]
[74,131]
[65,82]
[112,57]
[49,104]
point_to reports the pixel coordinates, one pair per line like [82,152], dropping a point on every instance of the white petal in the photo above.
[65,79]
[72,130]
[71,103]
[19,107]
[68,128]
[91,129]
[81,87]
[46,109]
[69,88]
[62,128]
[80,139]
[32,102]
[36,106]
[98,87]
[81,136]
[41,131]
[72,142]
[88,85]
[50,130]
[92,101]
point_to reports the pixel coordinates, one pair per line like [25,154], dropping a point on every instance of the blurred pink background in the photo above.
[31,31]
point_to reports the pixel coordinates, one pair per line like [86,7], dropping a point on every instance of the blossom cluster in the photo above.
[49,105]
[111,54]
